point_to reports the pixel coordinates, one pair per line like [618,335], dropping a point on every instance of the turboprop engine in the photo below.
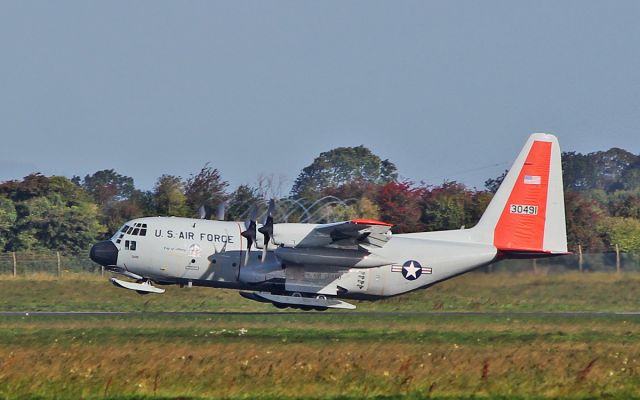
[328,256]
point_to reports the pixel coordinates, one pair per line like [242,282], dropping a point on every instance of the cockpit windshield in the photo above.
[135,229]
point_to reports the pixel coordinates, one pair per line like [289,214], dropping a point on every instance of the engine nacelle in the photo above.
[328,256]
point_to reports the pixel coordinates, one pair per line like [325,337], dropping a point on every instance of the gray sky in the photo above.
[446,89]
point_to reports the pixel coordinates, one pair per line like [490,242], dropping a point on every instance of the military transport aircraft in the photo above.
[314,266]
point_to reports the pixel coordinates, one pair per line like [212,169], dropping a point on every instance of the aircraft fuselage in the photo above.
[212,253]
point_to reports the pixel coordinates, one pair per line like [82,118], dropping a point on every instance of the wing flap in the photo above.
[354,233]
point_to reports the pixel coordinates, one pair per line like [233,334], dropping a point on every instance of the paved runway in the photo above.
[515,314]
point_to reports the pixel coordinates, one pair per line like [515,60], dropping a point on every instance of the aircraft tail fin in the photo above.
[526,215]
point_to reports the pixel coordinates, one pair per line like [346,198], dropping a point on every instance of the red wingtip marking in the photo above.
[369,222]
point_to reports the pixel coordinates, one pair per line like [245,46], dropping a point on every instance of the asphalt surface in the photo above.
[517,314]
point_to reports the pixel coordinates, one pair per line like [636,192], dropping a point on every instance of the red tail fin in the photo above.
[527,212]
[521,224]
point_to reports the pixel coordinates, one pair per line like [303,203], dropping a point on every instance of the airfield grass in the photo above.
[334,355]
[476,291]
[331,355]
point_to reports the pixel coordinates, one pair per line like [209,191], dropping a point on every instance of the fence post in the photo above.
[535,266]
[59,267]
[580,260]
[15,264]
[617,258]
[102,270]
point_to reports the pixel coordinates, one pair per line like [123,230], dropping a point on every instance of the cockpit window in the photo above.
[137,229]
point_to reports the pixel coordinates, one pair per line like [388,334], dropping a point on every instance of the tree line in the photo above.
[602,200]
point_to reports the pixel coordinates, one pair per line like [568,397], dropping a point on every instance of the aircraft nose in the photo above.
[104,253]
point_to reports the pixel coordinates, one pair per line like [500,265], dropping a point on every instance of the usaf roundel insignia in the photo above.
[411,270]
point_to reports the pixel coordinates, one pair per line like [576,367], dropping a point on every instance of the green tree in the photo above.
[169,197]
[112,192]
[609,170]
[8,216]
[444,208]
[205,189]
[240,201]
[107,185]
[52,213]
[583,215]
[340,166]
[631,177]
[625,232]
[624,203]
[492,184]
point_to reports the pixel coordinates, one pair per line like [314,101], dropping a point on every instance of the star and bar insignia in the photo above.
[411,270]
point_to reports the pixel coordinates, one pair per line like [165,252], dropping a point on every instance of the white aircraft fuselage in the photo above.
[212,253]
[313,265]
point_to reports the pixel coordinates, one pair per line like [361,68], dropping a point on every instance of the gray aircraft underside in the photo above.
[311,266]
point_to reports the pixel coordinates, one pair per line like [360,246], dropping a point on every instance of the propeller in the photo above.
[267,228]
[202,212]
[250,232]
[220,211]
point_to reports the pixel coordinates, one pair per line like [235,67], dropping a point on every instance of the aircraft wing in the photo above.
[361,232]
[354,234]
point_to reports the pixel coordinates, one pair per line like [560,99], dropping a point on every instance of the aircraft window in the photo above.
[143,232]
[124,228]
[126,245]
[144,225]
[135,231]
[130,230]
[118,241]
[132,247]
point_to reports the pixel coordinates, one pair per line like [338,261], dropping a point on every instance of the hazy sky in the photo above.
[447,89]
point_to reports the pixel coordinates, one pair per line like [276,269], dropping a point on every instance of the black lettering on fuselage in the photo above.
[186,235]
[211,237]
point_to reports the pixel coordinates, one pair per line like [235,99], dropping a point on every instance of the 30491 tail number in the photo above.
[523,209]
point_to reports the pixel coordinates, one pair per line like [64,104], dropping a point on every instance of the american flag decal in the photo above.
[532,180]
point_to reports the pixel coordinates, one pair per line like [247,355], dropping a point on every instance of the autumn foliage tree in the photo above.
[399,204]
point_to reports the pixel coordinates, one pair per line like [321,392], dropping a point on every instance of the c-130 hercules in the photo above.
[313,266]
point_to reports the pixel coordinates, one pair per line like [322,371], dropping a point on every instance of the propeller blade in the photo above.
[220,211]
[250,235]
[202,212]
[251,216]
[267,228]
[246,255]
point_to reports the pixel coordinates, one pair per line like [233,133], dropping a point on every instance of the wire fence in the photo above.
[55,263]
[588,262]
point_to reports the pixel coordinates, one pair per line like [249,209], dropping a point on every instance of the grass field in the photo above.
[325,355]
[471,292]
